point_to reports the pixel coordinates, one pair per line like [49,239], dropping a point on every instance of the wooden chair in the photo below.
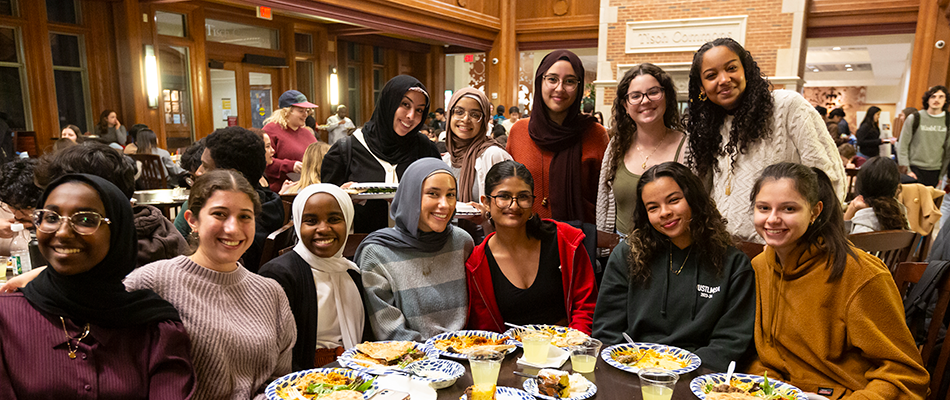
[278,241]
[25,141]
[607,240]
[908,273]
[152,171]
[852,176]
[751,249]
[892,247]
[352,243]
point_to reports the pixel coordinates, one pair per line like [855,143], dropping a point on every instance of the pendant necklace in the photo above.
[645,160]
[677,272]
[69,339]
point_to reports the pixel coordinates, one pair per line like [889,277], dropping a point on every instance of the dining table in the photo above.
[612,383]
[169,201]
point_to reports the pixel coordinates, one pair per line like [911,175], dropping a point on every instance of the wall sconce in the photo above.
[151,76]
[334,87]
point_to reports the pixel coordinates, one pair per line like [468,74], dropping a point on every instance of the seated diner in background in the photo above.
[876,207]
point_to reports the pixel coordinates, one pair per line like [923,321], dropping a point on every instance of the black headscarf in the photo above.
[564,140]
[406,208]
[382,139]
[98,296]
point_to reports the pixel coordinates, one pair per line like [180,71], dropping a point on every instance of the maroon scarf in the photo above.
[564,140]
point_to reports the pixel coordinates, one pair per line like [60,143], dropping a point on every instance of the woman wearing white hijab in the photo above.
[315,277]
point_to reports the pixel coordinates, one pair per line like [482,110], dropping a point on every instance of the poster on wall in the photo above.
[260,107]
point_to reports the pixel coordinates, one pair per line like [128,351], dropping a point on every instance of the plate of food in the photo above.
[743,387]
[459,344]
[553,384]
[490,392]
[385,357]
[563,336]
[630,357]
[372,190]
[464,209]
[323,384]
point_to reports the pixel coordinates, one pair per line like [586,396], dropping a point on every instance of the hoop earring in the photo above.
[193,235]
[702,96]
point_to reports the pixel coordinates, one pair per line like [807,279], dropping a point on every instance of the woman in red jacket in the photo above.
[527,261]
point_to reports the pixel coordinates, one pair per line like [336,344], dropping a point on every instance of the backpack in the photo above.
[916,114]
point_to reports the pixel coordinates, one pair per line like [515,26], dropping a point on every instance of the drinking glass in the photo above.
[485,365]
[584,355]
[657,383]
[536,345]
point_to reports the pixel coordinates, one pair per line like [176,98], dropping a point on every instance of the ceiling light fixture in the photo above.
[847,65]
[850,69]
[836,48]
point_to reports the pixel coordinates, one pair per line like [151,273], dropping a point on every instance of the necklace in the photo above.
[69,339]
[677,272]
[657,147]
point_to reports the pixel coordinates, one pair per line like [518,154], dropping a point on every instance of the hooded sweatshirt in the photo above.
[157,237]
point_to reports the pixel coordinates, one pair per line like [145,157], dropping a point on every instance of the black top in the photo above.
[348,160]
[545,295]
[868,138]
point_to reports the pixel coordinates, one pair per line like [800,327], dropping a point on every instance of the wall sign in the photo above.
[682,34]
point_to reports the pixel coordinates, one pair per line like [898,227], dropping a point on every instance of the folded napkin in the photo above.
[418,390]
[556,358]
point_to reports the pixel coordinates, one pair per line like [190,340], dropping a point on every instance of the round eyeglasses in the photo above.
[504,200]
[569,83]
[83,222]
[654,93]
[474,115]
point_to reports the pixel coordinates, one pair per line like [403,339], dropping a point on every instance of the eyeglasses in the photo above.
[83,222]
[570,82]
[525,201]
[474,115]
[654,93]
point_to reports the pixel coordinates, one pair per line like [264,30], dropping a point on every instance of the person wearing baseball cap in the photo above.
[289,137]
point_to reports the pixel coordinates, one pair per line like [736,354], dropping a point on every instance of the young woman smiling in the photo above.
[75,328]
[383,148]
[414,273]
[470,151]
[289,136]
[324,289]
[558,144]
[677,279]
[828,317]
[737,127]
[241,326]
[527,261]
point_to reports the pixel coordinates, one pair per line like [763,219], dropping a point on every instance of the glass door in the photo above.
[224,102]
[262,98]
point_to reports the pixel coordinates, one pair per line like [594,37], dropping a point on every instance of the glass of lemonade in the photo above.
[657,383]
[584,355]
[485,365]
[536,344]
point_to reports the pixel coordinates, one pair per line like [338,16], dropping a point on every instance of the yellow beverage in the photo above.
[536,351]
[583,363]
[653,392]
[485,371]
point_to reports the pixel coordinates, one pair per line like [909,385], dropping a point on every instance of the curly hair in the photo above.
[707,227]
[752,120]
[624,128]
[240,149]
[828,228]
[931,91]
[16,178]
[92,158]
[878,182]
[191,157]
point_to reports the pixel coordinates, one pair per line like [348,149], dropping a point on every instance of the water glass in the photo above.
[657,383]
[584,355]
[485,365]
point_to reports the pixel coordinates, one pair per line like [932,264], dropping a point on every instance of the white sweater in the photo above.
[798,135]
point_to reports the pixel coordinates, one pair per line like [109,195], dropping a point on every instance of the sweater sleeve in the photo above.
[903,144]
[583,295]
[172,375]
[479,315]
[732,336]
[387,320]
[872,330]
[807,131]
[286,337]
[610,315]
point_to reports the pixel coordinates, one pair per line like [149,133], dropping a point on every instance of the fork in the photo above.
[626,336]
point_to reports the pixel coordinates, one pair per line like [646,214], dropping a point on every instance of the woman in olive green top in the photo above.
[646,131]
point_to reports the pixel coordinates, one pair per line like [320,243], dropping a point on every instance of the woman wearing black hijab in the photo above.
[561,147]
[75,329]
[383,148]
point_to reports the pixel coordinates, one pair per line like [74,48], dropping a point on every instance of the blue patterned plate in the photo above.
[531,386]
[448,335]
[290,379]
[347,360]
[560,338]
[507,393]
[700,382]
[609,355]
[429,369]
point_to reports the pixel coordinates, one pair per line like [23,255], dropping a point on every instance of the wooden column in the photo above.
[503,77]
[435,76]
[42,86]
[930,64]
[130,52]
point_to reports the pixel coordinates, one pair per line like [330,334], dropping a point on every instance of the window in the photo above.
[240,34]
[64,11]
[305,79]
[170,24]
[13,101]
[176,95]
[353,92]
[379,56]
[303,43]
[352,51]
[69,72]
[377,83]
[8,7]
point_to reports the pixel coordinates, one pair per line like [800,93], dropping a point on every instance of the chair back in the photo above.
[892,247]
[278,241]
[906,274]
[25,141]
[852,175]
[352,243]
[152,172]
[750,249]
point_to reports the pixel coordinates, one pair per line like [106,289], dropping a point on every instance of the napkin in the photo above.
[556,358]
[418,390]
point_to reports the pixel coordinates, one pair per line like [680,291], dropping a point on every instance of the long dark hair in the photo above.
[878,181]
[624,128]
[707,226]
[145,141]
[753,115]
[513,169]
[869,118]
[828,228]
[103,126]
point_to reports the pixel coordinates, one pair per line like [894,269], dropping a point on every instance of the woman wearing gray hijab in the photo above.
[414,273]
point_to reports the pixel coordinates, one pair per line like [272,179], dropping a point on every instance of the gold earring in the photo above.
[702,96]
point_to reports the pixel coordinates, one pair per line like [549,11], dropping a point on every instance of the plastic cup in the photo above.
[536,344]
[584,355]
[485,365]
[657,383]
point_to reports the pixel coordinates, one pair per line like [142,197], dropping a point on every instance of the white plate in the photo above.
[291,378]
[460,356]
[697,384]
[380,370]
[559,329]
[531,386]
[507,393]
[608,356]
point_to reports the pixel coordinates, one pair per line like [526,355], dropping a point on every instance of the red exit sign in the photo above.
[264,12]
[469,58]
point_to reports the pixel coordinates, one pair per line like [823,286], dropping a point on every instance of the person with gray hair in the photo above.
[338,125]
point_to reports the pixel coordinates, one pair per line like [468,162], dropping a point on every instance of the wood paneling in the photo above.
[930,65]
[838,18]
[542,9]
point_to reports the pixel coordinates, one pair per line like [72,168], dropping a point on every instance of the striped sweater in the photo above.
[241,327]
[412,295]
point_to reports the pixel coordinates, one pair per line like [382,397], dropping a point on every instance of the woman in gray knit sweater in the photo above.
[414,273]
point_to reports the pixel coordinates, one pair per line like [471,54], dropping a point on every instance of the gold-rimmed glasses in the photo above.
[83,222]
[569,82]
